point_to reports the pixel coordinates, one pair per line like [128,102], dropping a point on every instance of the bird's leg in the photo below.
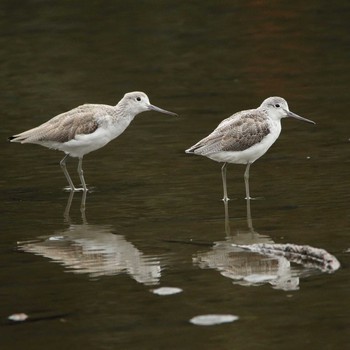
[223,173]
[65,171]
[246,181]
[81,174]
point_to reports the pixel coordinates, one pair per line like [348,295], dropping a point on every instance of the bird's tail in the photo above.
[190,150]
[29,136]
[17,138]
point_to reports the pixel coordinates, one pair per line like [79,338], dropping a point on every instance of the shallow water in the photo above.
[154,217]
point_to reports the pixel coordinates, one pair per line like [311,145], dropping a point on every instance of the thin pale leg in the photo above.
[81,174]
[246,181]
[65,171]
[223,174]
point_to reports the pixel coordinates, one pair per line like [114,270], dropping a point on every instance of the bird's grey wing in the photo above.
[236,133]
[64,127]
[244,132]
[81,123]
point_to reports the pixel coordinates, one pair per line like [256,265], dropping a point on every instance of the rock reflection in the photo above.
[95,250]
[251,259]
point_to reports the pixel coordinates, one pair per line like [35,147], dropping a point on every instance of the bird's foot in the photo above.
[254,198]
[81,189]
[75,189]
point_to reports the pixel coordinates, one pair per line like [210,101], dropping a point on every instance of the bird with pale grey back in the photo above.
[87,128]
[245,137]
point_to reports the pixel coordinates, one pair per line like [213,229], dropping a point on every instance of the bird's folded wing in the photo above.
[64,127]
[244,132]
[236,133]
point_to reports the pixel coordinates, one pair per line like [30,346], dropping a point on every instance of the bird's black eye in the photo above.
[138,98]
[277,105]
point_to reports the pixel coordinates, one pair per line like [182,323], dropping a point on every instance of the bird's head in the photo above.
[277,108]
[137,102]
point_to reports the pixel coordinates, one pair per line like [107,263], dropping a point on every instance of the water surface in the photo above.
[154,218]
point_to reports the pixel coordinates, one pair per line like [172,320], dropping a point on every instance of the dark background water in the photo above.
[154,211]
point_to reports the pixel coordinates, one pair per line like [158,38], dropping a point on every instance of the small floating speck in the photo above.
[210,320]
[18,317]
[167,291]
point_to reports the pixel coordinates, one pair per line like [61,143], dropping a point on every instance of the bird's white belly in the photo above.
[249,155]
[84,144]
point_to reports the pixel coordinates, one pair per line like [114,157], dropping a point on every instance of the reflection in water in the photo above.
[95,250]
[248,236]
[252,259]
[66,214]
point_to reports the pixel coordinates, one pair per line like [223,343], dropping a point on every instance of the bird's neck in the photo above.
[122,113]
[277,126]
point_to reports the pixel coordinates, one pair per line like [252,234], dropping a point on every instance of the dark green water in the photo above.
[155,212]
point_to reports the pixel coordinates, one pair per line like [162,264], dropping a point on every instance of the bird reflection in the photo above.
[95,250]
[251,259]
[66,213]
[247,236]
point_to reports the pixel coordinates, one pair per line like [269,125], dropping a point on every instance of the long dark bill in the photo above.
[160,110]
[296,116]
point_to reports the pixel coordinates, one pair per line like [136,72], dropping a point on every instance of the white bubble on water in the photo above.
[167,291]
[210,320]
